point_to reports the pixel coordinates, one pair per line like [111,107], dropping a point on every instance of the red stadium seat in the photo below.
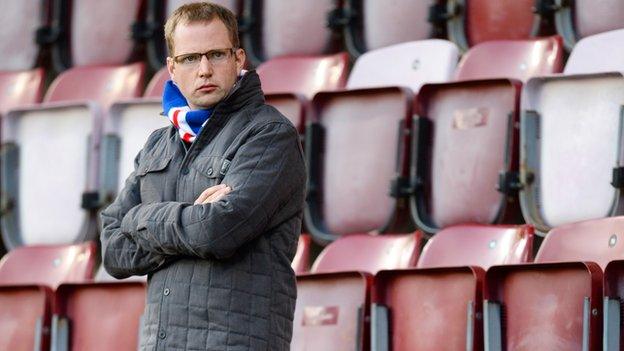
[375,24]
[556,303]
[476,21]
[584,102]
[515,59]
[98,316]
[467,138]
[293,106]
[437,306]
[70,119]
[20,88]
[288,82]
[156,85]
[28,277]
[356,149]
[305,75]
[301,262]
[273,28]
[368,253]
[578,19]
[333,301]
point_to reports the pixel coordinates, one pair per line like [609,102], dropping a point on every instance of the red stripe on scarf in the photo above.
[175,118]
[187,137]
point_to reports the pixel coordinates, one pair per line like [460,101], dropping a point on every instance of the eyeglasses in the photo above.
[215,57]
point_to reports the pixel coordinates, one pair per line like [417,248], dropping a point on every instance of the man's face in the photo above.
[204,83]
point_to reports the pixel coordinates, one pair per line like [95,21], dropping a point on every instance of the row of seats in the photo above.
[471,286]
[67,27]
[50,296]
[440,168]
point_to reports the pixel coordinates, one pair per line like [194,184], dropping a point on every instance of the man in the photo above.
[213,209]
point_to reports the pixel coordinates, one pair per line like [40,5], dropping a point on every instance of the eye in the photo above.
[191,58]
[217,55]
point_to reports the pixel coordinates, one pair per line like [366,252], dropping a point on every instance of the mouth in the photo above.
[207,88]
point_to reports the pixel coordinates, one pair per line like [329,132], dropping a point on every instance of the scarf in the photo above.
[188,122]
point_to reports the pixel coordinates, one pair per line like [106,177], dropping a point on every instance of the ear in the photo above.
[241,58]
[170,68]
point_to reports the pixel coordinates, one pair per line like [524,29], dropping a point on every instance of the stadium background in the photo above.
[465,164]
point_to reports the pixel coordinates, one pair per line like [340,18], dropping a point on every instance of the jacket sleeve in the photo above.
[266,173]
[121,256]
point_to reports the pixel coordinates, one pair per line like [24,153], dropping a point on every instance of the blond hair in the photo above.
[201,12]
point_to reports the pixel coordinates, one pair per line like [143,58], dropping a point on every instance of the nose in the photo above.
[205,67]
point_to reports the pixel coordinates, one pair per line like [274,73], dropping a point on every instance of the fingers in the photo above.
[217,195]
[208,192]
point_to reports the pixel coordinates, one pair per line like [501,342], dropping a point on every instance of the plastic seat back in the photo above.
[587,103]
[20,21]
[478,245]
[408,64]
[582,18]
[477,21]
[107,40]
[304,75]
[20,88]
[48,265]
[359,133]
[515,59]
[369,253]
[280,28]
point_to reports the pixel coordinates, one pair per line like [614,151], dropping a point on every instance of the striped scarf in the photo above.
[188,122]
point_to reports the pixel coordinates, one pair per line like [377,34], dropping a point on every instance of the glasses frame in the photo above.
[177,59]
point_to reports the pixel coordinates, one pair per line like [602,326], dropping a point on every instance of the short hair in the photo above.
[201,12]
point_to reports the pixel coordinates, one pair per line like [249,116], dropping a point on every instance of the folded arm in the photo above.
[266,172]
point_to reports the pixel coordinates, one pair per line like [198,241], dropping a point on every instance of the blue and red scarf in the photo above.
[188,122]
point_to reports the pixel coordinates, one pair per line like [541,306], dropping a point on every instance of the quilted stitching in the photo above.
[243,302]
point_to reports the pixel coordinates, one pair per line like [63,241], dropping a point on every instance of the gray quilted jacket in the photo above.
[219,275]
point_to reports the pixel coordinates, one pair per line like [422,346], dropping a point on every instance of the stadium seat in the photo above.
[359,135]
[21,20]
[333,300]
[466,161]
[515,59]
[51,156]
[107,40]
[301,262]
[476,21]
[578,19]
[305,75]
[98,316]
[126,130]
[28,277]
[437,306]
[289,82]
[355,148]
[273,28]
[408,64]
[20,88]
[156,85]
[586,101]
[556,303]
[373,24]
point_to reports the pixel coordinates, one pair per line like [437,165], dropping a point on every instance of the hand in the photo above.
[212,194]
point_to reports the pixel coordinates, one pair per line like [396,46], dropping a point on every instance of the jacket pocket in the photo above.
[154,174]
